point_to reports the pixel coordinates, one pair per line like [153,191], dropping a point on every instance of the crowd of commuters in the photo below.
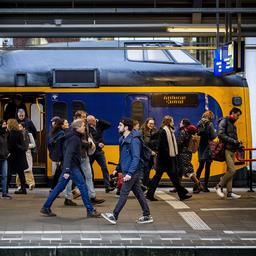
[74,149]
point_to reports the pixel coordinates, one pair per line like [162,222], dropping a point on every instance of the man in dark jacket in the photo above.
[96,129]
[130,165]
[228,135]
[30,127]
[71,170]
[4,153]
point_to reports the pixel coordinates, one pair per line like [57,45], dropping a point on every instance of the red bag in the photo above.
[217,151]
[120,180]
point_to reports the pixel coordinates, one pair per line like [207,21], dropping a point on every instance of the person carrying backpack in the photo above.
[130,165]
[207,133]
[228,135]
[185,167]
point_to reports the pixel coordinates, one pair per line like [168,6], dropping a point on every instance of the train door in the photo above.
[34,106]
[137,107]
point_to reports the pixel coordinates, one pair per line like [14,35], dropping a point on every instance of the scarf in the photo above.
[173,148]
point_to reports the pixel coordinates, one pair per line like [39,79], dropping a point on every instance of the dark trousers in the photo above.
[207,165]
[99,157]
[21,177]
[146,173]
[132,185]
[171,170]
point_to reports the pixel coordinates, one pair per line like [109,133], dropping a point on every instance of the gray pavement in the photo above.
[203,221]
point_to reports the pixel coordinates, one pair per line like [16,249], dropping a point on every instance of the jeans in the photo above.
[227,179]
[77,177]
[132,185]
[207,165]
[87,170]
[99,156]
[4,170]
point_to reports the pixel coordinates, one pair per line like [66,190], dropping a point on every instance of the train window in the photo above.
[77,105]
[135,55]
[138,111]
[37,116]
[157,56]
[60,109]
[181,56]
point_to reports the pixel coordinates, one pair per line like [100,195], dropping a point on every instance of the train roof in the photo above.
[111,63]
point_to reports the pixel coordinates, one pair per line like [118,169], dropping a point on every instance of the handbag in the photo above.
[217,151]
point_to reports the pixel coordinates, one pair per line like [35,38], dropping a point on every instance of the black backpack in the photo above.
[145,153]
[55,147]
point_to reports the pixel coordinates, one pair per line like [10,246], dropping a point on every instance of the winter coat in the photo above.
[130,150]
[97,132]
[72,151]
[17,147]
[228,134]
[150,138]
[55,146]
[4,152]
[163,157]
[207,133]
[30,127]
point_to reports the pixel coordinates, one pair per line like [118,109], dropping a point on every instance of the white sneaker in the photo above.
[232,195]
[109,217]
[219,191]
[145,219]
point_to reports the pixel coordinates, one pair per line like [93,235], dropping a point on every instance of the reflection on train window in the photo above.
[60,109]
[138,111]
[37,116]
[181,56]
[135,55]
[77,105]
[157,56]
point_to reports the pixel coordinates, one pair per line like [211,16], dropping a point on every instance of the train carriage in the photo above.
[118,78]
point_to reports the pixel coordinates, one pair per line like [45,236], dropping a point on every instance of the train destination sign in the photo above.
[174,100]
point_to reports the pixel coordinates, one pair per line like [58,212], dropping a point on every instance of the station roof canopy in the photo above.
[125,18]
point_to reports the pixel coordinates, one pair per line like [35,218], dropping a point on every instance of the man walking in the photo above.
[228,135]
[96,129]
[129,164]
[71,170]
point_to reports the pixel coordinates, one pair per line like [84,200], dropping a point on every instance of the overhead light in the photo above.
[195,29]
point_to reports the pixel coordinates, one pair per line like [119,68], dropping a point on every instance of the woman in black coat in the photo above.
[207,132]
[17,160]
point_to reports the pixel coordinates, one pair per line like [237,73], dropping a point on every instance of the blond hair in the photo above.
[12,125]
[167,120]
[208,115]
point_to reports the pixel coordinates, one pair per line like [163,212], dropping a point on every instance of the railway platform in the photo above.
[202,225]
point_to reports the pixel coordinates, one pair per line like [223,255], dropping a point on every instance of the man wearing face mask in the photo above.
[4,153]
[228,135]
[130,165]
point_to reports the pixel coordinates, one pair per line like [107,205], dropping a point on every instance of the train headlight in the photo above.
[237,101]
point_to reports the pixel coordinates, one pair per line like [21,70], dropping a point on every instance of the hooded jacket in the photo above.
[130,151]
[72,151]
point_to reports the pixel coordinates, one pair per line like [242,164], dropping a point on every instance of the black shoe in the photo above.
[184,197]
[47,212]
[6,196]
[69,202]
[206,190]
[109,189]
[95,214]
[21,191]
[151,198]
[97,201]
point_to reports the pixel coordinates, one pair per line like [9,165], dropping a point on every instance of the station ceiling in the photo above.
[125,18]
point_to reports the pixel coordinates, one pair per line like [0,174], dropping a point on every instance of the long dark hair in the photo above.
[57,126]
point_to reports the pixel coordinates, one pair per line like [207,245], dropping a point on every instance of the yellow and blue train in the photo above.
[111,79]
